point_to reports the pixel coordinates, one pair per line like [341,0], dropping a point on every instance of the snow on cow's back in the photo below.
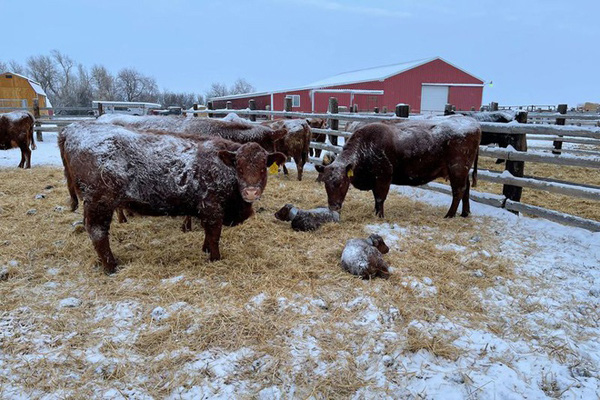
[163,123]
[451,126]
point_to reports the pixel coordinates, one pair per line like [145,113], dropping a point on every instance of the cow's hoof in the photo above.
[464,215]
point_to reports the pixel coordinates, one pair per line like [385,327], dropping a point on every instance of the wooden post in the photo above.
[351,109]
[100,109]
[376,110]
[402,110]
[229,105]
[385,110]
[562,109]
[210,106]
[287,105]
[36,114]
[355,108]
[333,123]
[448,109]
[516,168]
[472,108]
[252,106]
[195,107]
[493,106]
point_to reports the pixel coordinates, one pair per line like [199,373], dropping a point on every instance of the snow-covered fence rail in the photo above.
[517,133]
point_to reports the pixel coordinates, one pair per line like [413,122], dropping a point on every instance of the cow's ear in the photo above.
[228,157]
[278,158]
[320,169]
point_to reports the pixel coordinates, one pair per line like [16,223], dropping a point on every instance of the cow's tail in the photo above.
[31,138]
[68,173]
[475,168]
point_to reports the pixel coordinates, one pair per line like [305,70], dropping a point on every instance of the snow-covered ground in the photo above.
[557,268]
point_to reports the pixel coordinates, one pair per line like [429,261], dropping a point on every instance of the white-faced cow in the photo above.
[109,166]
[408,153]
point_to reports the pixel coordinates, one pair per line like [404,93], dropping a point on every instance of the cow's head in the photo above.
[250,162]
[337,178]
[284,214]
[378,243]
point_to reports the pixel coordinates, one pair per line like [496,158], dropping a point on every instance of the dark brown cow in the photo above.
[319,123]
[16,130]
[109,167]
[409,153]
[295,143]
[236,131]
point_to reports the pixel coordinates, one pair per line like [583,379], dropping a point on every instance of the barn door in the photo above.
[433,98]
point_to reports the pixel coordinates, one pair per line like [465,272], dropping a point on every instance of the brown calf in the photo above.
[16,130]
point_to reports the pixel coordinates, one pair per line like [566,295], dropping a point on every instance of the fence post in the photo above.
[252,106]
[333,123]
[493,106]
[210,106]
[402,110]
[516,168]
[229,105]
[287,105]
[562,109]
[195,107]
[36,114]
[355,108]
[472,108]
[385,110]
[448,109]
[376,110]
[100,109]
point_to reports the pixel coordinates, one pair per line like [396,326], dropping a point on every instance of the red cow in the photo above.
[16,130]
[109,167]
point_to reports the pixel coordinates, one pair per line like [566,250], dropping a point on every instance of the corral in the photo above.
[479,307]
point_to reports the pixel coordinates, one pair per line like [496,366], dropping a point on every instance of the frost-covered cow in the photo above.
[16,130]
[295,143]
[362,257]
[109,166]
[237,131]
[408,153]
[307,220]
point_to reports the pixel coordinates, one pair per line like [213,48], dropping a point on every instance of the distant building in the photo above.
[426,85]
[18,91]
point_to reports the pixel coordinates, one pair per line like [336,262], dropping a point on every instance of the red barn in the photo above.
[426,85]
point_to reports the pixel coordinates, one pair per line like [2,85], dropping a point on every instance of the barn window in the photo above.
[8,76]
[295,100]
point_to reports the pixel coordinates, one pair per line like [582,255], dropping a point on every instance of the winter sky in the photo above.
[535,51]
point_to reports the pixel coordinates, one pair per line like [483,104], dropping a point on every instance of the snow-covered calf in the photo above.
[362,257]
[109,166]
[295,143]
[408,153]
[16,130]
[236,131]
[307,220]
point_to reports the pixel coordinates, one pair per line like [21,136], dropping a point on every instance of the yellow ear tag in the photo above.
[274,168]
[350,174]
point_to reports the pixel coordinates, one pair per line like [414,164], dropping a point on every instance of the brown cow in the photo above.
[109,166]
[295,143]
[409,153]
[16,130]
[319,123]
[236,131]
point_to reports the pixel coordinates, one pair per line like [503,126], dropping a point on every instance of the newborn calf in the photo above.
[362,257]
[306,220]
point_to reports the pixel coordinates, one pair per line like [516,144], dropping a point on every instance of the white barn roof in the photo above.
[35,85]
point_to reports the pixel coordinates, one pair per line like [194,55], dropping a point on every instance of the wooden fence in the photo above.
[512,179]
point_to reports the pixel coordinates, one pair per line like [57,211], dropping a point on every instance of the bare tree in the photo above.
[217,90]
[241,86]
[12,66]
[43,70]
[185,100]
[3,67]
[103,84]
[65,87]
[136,87]
[83,89]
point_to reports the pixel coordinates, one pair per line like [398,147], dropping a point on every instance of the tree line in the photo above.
[71,84]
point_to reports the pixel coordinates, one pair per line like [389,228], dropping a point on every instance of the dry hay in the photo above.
[273,294]
[571,205]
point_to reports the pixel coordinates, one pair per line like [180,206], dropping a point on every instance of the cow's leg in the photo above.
[319,138]
[466,206]
[458,184]
[97,224]
[299,166]
[333,140]
[380,192]
[187,224]
[212,235]
[25,156]
[121,216]
[285,170]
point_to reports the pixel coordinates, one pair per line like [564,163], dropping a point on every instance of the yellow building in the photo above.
[19,91]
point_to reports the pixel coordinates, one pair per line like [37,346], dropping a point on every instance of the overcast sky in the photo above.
[534,51]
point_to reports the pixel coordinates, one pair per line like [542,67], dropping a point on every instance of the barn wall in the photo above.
[19,88]
[406,87]
[242,103]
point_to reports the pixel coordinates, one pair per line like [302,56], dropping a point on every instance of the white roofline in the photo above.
[381,79]
[43,93]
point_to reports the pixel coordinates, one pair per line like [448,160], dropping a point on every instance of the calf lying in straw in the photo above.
[362,257]
[306,220]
